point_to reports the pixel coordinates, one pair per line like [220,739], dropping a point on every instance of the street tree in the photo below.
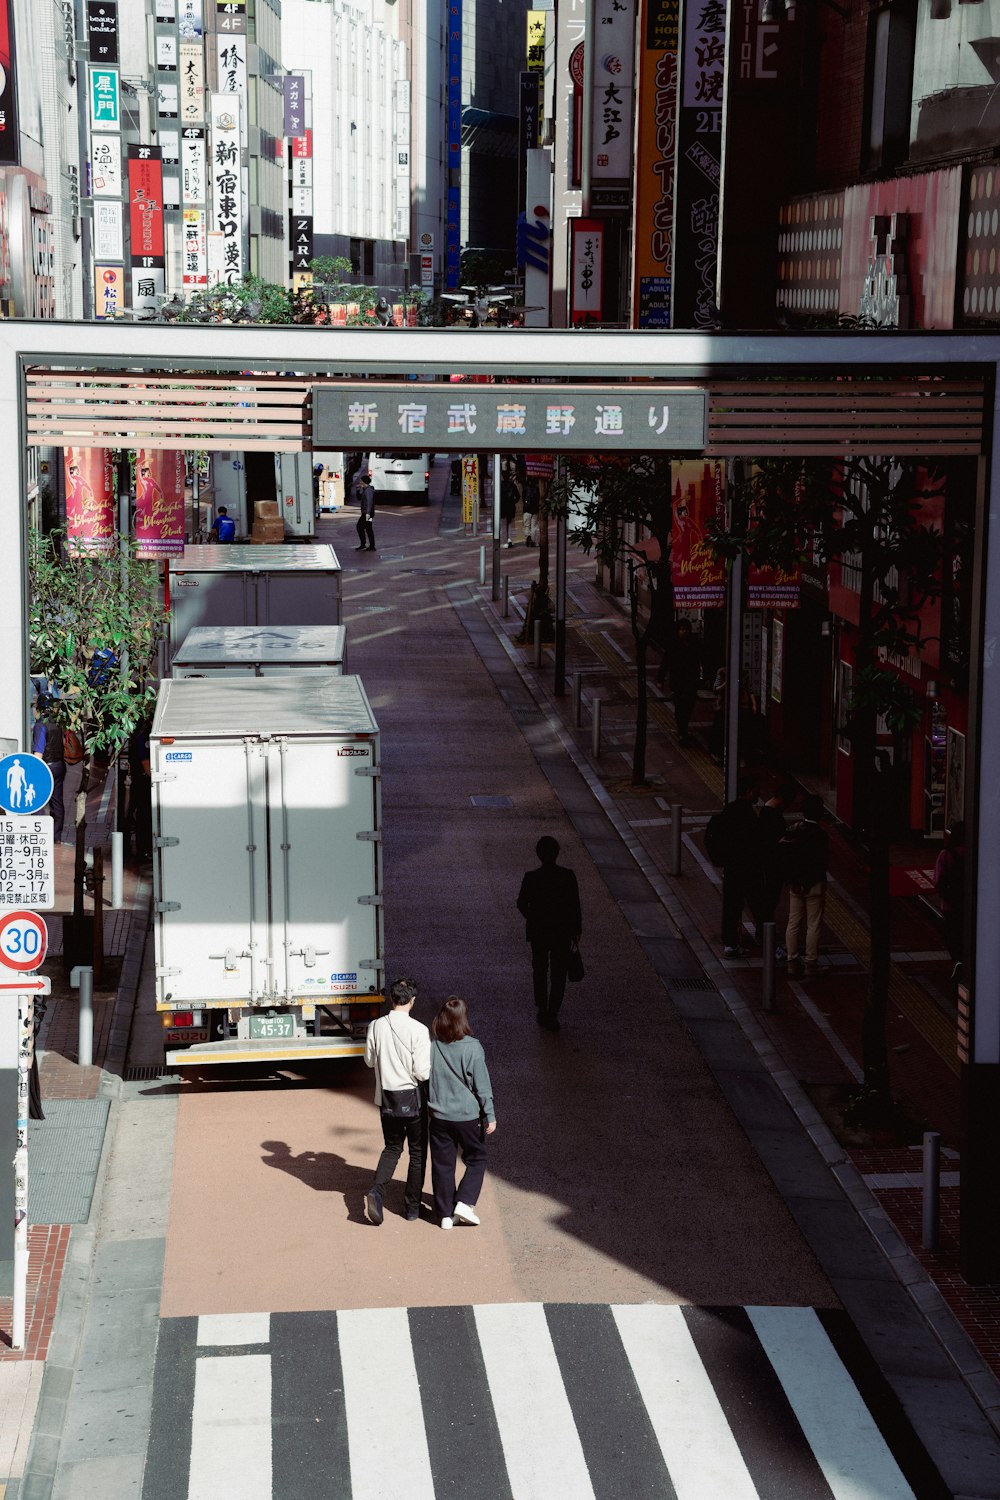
[620,509]
[95,619]
[881,518]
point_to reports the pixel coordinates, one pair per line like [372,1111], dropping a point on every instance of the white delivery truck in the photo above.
[293,484]
[244,584]
[266,868]
[261,650]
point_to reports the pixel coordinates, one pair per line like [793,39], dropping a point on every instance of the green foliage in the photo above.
[79,605]
[251,300]
[480,268]
[331,269]
[601,495]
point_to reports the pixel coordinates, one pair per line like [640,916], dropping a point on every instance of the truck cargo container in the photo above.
[246,585]
[261,650]
[266,868]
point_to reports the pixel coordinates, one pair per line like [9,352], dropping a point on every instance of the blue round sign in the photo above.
[25,784]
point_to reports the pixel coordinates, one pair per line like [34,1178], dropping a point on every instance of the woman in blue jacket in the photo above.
[460,1112]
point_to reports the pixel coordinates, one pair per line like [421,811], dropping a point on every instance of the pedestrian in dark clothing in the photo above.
[772,829]
[364,494]
[399,1050]
[949,882]
[740,834]
[530,508]
[508,504]
[461,1114]
[549,902]
[223,527]
[685,677]
[47,741]
[805,852]
[139,817]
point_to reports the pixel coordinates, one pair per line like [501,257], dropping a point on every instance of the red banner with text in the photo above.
[159,502]
[90,500]
[699,577]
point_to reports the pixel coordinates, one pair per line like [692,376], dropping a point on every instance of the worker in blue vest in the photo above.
[224,527]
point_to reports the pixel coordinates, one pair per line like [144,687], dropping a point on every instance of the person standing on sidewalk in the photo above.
[364,494]
[549,902]
[399,1050]
[683,661]
[738,851]
[806,852]
[530,507]
[461,1114]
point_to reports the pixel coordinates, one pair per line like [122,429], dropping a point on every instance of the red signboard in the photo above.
[302,145]
[159,502]
[145,202]
[90,500]
[10,145]
[699,577]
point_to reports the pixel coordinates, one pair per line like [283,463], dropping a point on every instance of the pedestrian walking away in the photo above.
[733,841]
[223,527]
[805,852]
[531,503]
[683,662]
[461,1114]
[399,1050]
[47,741]
[549,902]
[364,495]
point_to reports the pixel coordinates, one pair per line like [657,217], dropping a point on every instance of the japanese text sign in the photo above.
[27,869]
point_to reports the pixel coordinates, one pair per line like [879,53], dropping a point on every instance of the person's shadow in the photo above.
[324,1172]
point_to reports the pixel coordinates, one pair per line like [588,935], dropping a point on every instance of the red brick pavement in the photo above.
[47,1245]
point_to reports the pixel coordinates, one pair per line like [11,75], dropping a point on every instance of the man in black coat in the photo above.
[549,901]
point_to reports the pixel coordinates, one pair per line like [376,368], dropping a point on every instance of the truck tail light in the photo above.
[179,1018]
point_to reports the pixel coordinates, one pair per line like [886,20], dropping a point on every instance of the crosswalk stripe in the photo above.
[848,1446]
[696,1440]
[223,1330]
[541,1444]
[309,1420]
[463,1439]
[231,1428]
[385,1429]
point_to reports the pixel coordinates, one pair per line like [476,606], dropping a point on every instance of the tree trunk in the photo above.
[641,713]
[79,867]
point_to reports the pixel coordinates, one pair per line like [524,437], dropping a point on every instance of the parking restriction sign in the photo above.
[27,864]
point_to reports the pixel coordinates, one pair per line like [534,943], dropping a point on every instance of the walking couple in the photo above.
[430,1084]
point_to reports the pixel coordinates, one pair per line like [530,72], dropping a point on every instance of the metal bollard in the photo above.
[767,972]
[675,838]
[578,699]
[538,643]
[117,871]
[85,1040]
[506,596]
[595,728]
[932,1189]
[482,565]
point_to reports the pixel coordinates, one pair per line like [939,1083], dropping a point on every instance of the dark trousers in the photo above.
[394,1132]
[366,532]
[549,957]
[684,704]
[448,1137]
[57,806]
[740,887]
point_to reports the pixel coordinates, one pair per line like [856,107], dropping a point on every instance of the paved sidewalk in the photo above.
[814,1031]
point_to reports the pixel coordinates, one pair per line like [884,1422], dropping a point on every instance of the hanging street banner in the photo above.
[656,139]
[529,417]
[90,497]
[698,576]
[159,502]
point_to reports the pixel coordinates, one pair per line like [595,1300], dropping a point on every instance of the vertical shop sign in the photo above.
[192,82]
[193,164]
[109,292]
[470,487]
[109,236]
[534,53]
[294,91]
[102,31]
[105,110]
[453,210]
[106,166]
[10,144]
[145,204]
[302,206]
[231,53]
[698,576]
[699,159]
[227,187]
[586,255]
[302,243]
[610,98]
[159,502]
[90,500]
[195,248]
[656,115]
[190,20]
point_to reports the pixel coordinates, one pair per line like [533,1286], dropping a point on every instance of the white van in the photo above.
[397,476]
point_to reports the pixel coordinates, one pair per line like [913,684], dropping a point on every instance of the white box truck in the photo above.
[266,868]
[244,584]
[261,650]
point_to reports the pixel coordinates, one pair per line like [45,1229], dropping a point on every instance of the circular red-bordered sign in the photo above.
[24,938]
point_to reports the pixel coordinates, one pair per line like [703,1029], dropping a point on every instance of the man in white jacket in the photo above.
[399,1050]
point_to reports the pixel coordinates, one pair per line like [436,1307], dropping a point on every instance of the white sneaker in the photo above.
[447,1223]
[466,1215]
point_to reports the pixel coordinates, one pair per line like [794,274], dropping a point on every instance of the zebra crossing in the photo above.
[527,1401]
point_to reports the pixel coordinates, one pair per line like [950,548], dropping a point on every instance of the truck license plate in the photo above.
[272,1027]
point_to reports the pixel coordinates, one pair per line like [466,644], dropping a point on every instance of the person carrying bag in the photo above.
[461,1114]
[399,1050]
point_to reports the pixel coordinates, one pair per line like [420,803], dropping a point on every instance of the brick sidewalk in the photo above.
[816,1024]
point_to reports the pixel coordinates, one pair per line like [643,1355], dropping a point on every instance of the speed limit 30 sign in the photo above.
[23,940]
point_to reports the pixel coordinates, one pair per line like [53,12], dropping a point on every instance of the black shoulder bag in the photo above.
[401,1104]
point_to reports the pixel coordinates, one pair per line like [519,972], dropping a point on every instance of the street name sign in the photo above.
[460,418]
[27,864]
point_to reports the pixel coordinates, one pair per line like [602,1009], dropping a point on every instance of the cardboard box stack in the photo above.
[267,523]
